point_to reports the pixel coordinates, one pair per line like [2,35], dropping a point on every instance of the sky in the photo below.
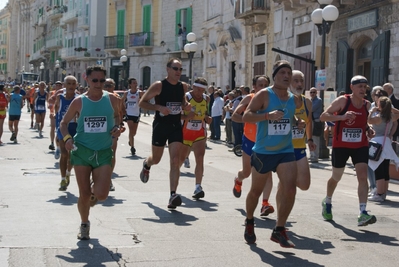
[3,3]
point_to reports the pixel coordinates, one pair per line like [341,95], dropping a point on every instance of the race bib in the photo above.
[352,135]
[281,127]
[41,107]
[174,107]
[131,104]
[194,125]
[95,124]
[297,134]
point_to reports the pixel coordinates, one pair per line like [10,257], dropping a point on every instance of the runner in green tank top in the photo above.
[91,146]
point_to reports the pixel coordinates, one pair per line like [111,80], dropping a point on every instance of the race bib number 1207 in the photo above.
[95,124]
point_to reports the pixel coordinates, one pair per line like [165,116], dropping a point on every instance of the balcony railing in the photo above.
[251,7]
[56,12]
[54,43]
[83,21]
[141,39]
[70,16]
[115,42]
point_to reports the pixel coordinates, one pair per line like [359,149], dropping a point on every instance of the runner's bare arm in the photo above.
[237,117]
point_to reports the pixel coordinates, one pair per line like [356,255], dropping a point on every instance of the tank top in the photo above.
[351,134]
[250,128]
[40,101]
[275,137]
[132,104]
[298,136]
[95,122]
[171,96]
[197,123]
[3,103]
[15,104]
[64,105]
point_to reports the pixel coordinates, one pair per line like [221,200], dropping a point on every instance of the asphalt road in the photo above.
[133,227]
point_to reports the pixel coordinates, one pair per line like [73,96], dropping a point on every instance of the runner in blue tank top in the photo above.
[61,106]
[40,98]
[98,123]
[273,110]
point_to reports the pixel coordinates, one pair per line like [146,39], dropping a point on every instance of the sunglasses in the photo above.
[313,92]
[108,85]
[379,95]
[97,80]
[176,68]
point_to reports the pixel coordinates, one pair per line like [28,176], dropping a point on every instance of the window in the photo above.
[303,39]
[260,49]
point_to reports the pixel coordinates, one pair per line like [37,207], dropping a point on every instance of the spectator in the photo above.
[217,111]
[317,109]
[238,127]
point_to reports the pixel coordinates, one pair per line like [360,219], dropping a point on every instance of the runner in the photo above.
[109,86]
[350,112]
[4,96]
[194,130]
[14,112]
[299,136]
[51,101]
[61,106]
[248,140]
[273,110]
[31,104]
[92,153]
[132,98]
[169,102]
[40,97]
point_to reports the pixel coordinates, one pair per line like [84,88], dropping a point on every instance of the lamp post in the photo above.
[323,18]
[41,70]
[31,67]
[190,48]
[123,59]
[57,67]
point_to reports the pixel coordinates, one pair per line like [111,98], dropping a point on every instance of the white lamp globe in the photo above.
[317,16]
[325,2]
[330,13]
[191,37]
[187,48]
[193,47]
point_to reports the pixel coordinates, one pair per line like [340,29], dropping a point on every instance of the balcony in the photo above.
[83,22]
[139,39]
[253,11]
[54,43]
[70,53]
[115,43]
[55,13]
[292,5]
[70,16]
[42,21]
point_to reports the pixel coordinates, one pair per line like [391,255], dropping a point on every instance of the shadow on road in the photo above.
[67,199]
[165,216]
[91,253]
[200,203]
[288,259]
[366,236]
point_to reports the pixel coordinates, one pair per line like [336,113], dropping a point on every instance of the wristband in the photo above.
[266,115]
[66,137]
[310,139]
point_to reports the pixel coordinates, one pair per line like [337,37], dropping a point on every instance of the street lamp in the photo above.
[323,18]
[57,67]
[41,70]
[123,59]
[190,48]
[31,67]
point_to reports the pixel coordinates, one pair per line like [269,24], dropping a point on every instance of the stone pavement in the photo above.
[38,223]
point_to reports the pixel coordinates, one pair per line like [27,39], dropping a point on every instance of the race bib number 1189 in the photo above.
[95,124]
